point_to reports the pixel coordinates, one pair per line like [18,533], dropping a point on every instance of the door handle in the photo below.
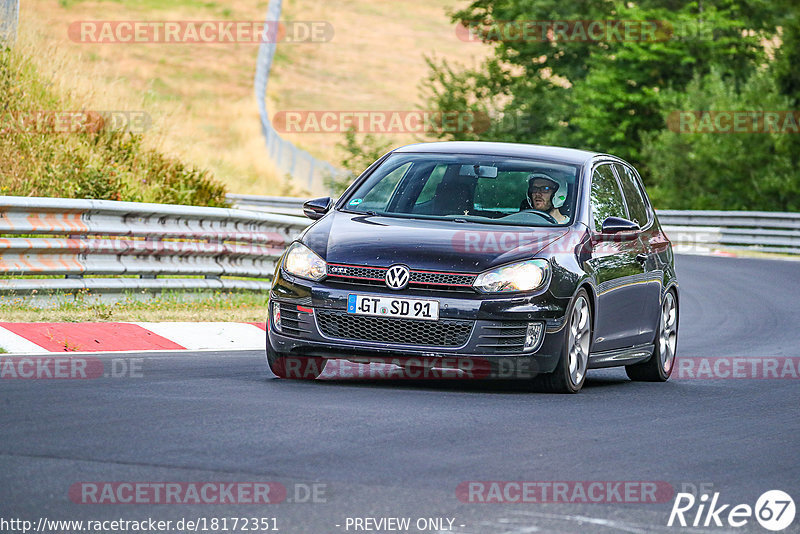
[641,258]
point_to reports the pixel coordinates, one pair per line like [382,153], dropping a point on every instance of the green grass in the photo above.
[83,306]
[3,351]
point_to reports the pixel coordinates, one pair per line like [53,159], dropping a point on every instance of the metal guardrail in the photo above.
[690,231]
[289,159]
[284,205]
[82,241]
[753,230]
[108,246]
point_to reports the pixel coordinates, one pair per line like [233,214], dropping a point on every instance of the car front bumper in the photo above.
[471,326]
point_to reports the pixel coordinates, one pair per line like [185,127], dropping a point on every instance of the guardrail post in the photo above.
[153,239]
[9,20]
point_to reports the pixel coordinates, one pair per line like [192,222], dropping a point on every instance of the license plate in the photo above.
[393,307]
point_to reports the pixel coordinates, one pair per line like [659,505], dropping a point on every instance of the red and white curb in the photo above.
[45,338]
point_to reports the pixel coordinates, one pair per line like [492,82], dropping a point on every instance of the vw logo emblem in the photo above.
[397,277]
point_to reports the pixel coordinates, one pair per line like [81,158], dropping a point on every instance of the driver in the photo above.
[546,194]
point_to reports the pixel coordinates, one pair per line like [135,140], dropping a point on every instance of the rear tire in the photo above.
[570,373]
[294,367]
[660,365]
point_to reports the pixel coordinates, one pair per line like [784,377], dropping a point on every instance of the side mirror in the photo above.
[614,225]
[315,209]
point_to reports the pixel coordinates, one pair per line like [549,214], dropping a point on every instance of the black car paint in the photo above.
[625,273]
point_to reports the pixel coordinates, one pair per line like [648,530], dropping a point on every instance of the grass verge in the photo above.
[185,306]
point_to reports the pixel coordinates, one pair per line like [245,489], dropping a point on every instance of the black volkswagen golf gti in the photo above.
[482,257]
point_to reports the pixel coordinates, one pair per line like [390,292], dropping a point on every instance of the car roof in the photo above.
[554,153]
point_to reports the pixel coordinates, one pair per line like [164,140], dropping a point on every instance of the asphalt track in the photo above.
[399,448]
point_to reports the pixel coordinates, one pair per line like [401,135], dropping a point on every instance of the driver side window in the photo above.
[607,198]
[378,198]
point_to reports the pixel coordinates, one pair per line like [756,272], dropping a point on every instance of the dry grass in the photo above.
[376,61]
[201,96]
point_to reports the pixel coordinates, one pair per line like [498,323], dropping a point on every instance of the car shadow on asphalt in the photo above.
[492,386]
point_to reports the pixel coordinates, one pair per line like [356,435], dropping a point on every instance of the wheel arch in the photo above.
[587,285]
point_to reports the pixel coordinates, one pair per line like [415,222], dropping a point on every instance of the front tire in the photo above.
[570,373]
[294,367]
[660,365]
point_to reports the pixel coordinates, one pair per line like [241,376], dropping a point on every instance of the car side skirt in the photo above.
[626,356]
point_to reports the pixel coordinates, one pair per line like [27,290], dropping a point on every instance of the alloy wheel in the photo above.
[669,332]
[579,334]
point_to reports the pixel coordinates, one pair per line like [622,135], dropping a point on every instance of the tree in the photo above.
[599,95]
[358,155]
[710,169]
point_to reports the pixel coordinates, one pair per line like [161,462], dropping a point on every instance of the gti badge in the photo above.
[397,277]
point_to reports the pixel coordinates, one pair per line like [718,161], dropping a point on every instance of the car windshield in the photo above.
[474,188]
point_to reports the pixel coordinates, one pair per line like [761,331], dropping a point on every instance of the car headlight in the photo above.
[523,276]
[301,261]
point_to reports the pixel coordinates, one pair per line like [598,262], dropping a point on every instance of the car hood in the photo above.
[373,240]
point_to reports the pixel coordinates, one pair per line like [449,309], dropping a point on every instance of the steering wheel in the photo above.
[543,214]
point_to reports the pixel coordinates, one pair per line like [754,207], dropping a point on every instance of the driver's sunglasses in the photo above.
[540,189]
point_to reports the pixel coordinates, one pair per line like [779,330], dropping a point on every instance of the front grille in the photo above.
[425,277]
[351,271]
[441,333]
[354,274]
[502,338]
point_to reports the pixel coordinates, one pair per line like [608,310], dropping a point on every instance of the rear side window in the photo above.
[607,199]
[637,208]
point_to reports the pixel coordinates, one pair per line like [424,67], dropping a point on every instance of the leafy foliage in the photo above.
[613,95]
[732,171]
[358,155]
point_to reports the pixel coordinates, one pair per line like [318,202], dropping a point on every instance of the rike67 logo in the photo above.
[774,510]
